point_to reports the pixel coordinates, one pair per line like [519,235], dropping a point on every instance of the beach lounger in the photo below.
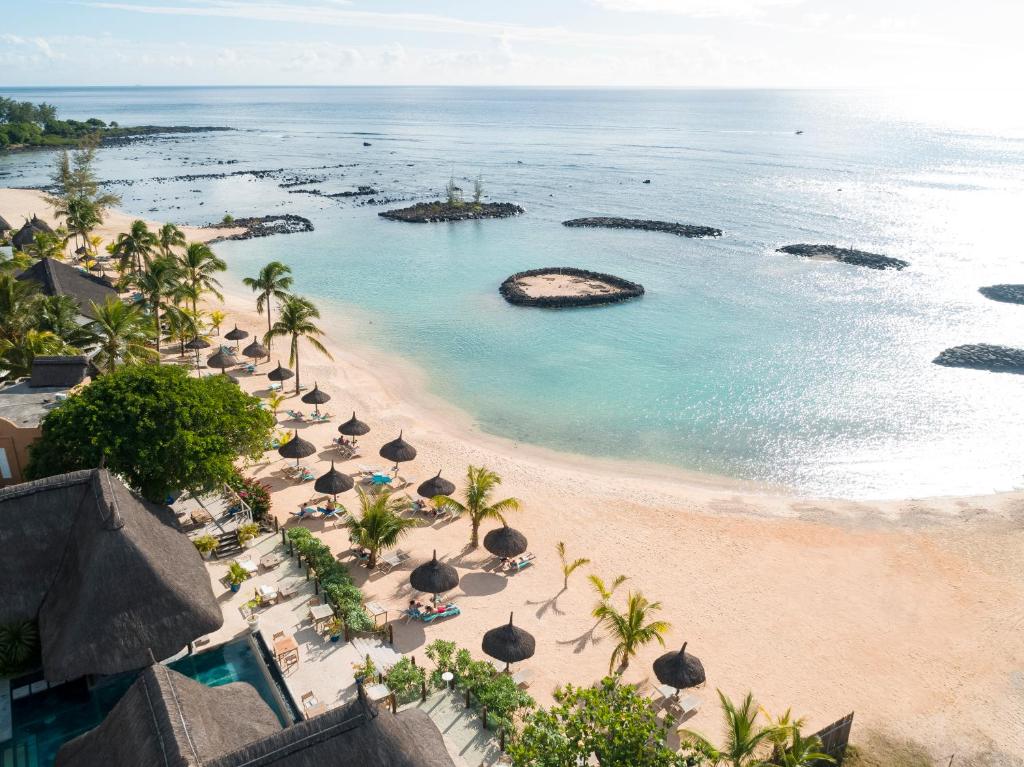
[392,560]
[305,511]
[450,611]
[276,386]
[306,476]
[521,563]
[250,368]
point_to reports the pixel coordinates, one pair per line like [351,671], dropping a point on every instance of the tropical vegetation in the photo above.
[295,321]
[480,485]
[632,628]
[272,283]
[380,524]
[335,581]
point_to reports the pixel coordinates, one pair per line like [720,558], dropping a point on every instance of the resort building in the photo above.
[55,278]
[23,404]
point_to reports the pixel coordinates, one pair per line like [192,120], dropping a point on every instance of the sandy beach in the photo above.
[908,613]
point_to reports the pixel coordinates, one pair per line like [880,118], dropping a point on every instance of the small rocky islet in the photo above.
[669,227]
[561,287]
[440,211]
[1007,294]
[844,255]
[996,359]
[262,226]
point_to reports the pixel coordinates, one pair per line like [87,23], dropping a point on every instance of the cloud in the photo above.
[744,9]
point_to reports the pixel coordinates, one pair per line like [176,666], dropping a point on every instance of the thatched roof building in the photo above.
[168,719]
[106,574]
[55,278]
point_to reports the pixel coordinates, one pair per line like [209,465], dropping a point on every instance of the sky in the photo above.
[933,44]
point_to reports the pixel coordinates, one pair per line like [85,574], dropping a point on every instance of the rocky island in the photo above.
[845,255]
[563,287]
[440,210]
[998,359]
[262,226]
[1007,294]
[609,222]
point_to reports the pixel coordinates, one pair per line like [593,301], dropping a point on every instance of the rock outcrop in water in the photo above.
[263,226]
[439,211]
[610,222]
[1007,294]
[608,288]
[845,255]
[998,359]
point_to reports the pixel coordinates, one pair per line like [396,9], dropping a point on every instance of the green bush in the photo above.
[405,679]
[255,494]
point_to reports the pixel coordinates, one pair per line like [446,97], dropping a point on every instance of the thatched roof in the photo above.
[256,350]
[4,225]
[333,482]
[56,278]
[105,573]
[168,720]
[398,450]
[436,486]
[280,373]
[505,541]
[60,371]
[353,427]
[434,577]
[679,669]
[237,334]
[39,225]
[509,643]
[316,396]
[296,447]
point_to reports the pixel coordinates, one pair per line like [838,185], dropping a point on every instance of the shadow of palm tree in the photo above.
[580,643]
[547,604]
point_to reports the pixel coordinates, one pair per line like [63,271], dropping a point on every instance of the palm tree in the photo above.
[157,283]
[134,247]
[380,524]
[16,356]
[274,402]
[801,752]
[59,315]
[568,568]
[170,237]
[82,217]
[198,265]
[273,281]
[296,320]
[604,592]
[122,333]
[631,628]
[217,318]
[783,724]
[744,737]
[480,483]
[182,326]
[18,299]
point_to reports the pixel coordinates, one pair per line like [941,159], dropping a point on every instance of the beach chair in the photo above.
[450,611]
[392,560]
[303,512]
[276,386]
[326,514]
[306,476]
[521,563]
[250,369]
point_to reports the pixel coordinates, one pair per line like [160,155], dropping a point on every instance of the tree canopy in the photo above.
[156,426]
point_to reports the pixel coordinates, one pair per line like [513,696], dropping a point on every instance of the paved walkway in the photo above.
[463,732]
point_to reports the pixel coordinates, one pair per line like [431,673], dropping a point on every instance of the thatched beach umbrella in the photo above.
[39,225]
[333,482]
[509,643]
[436,486]
[195,345]
[398,450]
[679,670]
[256,351]
[296,448]
[221,359]
[316,398]
[505,542]
[279,373]
[434,577]
[236,335]
[353,427]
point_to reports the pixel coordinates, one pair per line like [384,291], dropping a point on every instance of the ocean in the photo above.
[738,361]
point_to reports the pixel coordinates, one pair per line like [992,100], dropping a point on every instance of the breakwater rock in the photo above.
[998,359]
[566,286]
[845,255]
[438,211]
[263,226]
[1008,294]
[607,222]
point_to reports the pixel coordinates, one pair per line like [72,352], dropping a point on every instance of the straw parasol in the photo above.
[509,643]
[333,482]
[505,542]
[434,577]
[436,486]
[398,450]
[236,335]
[296,448]
[353,427]
[195,345]
[279,373]
[221,359]
[316,398]
[679,670]
[256,351]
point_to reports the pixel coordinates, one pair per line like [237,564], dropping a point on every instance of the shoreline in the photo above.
[825,606]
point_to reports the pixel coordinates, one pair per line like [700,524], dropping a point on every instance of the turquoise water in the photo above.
[44,722]
[739,360]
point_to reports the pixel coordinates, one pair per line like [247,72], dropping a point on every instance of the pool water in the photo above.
[45,721]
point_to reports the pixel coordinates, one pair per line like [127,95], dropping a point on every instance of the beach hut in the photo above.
[296,448]
[679,669]
[316,397]
[435,486]
[353,427]
[434,577]
[236,335]
[256,351]
[4,226]
[333,482]
[398,451]
[505,542]
[509,644]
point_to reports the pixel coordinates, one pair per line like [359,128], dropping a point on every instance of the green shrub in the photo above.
[405,679]
[255,494]
[206,544]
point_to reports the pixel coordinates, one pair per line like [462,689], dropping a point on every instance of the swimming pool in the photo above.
[45,721]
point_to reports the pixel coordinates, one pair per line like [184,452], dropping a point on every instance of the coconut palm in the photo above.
[82,216]
[272,282]
[122,332]
[16,356]
[198,266]
[217,318]
[568,568]
[18,299]
[480,483]
[134,247]
[182,326]
[746,741]
[380,524]
[48,244]
[604,592]
[783,724]
[59,315]
[274,402]
[170,237]
[157,283]
[631,628]
[801,752]
[296,320]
